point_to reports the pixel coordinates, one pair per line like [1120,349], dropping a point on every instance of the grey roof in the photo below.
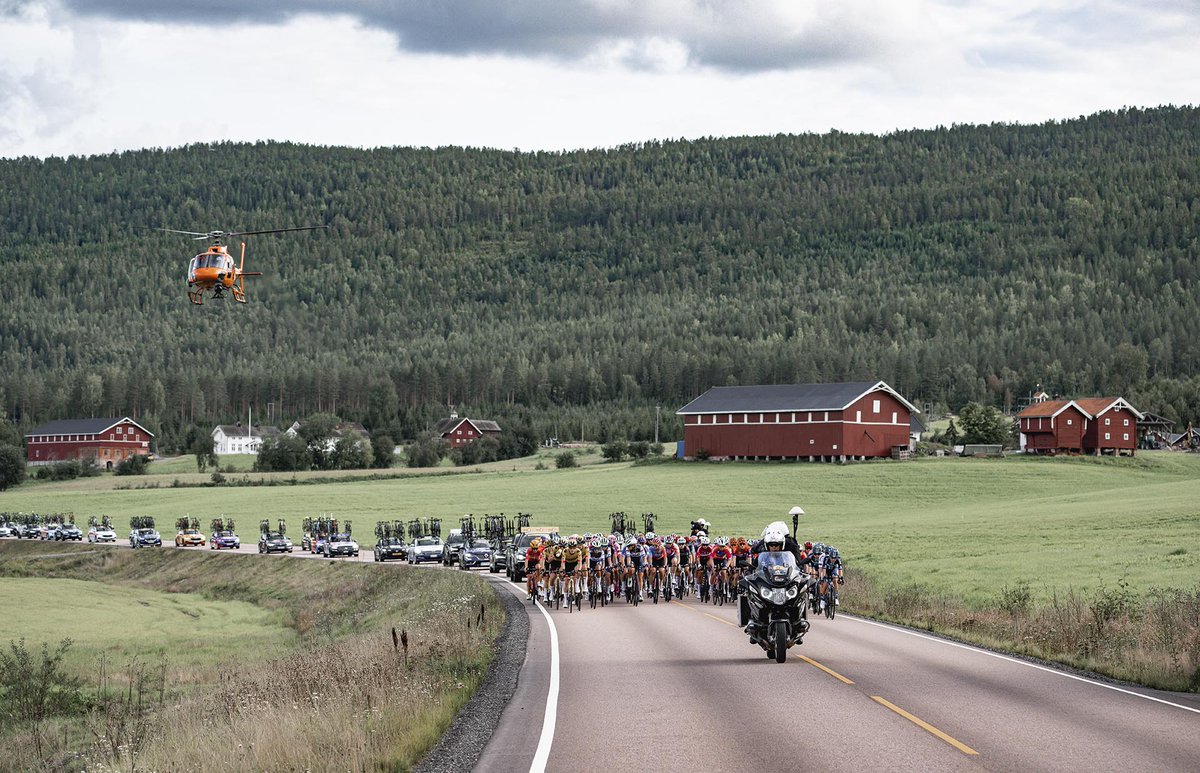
[82,426]
[447,424]
[237,430]
[915,425]
[785,397]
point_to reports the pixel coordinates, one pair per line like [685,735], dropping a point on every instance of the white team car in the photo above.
[101,534]
[340,545]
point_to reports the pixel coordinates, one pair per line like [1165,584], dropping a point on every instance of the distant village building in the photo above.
[458,431]
[103,442]
[1095,425]
[339,431]
[817,422]
[236,439]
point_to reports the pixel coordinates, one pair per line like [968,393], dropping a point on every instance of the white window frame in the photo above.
[1070,422]
[1126,435]
[895,420]
[1127,424]
[1108,436]
[858,417]
[874,406]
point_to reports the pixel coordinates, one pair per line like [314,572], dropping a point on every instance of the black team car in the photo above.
[390,548]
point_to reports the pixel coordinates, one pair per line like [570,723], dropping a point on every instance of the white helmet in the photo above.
[650,535]
[773,535]
[701,535]
[703,539]
[722,541]
[776,526]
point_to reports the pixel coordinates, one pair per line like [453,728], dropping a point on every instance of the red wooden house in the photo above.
[458,431]
[104,442]
[827,422]
[1097,425]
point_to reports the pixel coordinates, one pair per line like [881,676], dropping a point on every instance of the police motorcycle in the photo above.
[773,604]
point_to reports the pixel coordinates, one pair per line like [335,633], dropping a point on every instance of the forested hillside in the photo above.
[580,290]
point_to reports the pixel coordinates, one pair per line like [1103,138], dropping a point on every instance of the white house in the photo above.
[236,439]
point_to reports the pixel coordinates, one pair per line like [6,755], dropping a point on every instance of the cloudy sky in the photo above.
[93,76]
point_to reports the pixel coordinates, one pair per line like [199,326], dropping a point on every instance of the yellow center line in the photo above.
[829,671]
[711,617]
[962,747]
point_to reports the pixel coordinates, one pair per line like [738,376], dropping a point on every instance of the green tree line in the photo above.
[574,292]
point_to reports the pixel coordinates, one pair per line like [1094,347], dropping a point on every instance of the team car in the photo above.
[341,544]
[425,549]
[101,534]
[454,543]
[274,543]
[224,539]
[387,549]
[70,531]
[140,538]
[475,555]
[189,537]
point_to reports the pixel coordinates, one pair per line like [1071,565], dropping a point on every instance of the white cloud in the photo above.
[87,76]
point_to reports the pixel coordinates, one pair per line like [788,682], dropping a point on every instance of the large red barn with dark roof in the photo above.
[105,442]
[832,422]
[458,431]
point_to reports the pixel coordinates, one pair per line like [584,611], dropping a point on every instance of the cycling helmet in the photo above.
[701,534]
[651,535]
[808,546]
[632,543]
[572,541]
[833,553]
[597,543]
[722,541]
[704,540]
[535,543]
[681,540]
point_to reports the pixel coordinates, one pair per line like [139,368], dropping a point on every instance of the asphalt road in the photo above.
[677,687]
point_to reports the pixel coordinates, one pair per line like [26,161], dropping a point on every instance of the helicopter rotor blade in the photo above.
[176,231]
[274,230]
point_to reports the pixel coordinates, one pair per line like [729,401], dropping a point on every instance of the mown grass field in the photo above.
[959,526]
[239,662]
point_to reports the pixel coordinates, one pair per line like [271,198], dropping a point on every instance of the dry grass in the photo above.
[1151,638]
[348,696]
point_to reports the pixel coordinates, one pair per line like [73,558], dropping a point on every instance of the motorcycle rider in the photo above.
[775,538]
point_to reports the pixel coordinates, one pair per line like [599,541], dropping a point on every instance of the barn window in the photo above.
[810,415]
[1126,435]
[894,418]
[1070,421]
[793,418]
[835,446]
[745,418]
[875,406]
[858,415]
[1107,422]
[826,415]
[1108,436]
[1127,424]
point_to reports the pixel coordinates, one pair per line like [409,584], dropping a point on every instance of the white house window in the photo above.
[875,406]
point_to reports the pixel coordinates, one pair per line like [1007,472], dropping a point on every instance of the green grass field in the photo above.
[962,526]
[100,618]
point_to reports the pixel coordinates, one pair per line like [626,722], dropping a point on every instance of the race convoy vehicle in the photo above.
[225,539]
[274,542]
[70,531]
[340,544]
[477,554]
[425,549]
[189,538]
[390,548]
[140,538]
[451,547]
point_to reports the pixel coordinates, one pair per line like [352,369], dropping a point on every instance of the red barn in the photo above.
[101,441]
[831,422]
[1098,425]
[459,431]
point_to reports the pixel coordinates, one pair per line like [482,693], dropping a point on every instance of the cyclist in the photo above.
[685,561]
[635,559]
[722,554]
[671,548]
[658,559]
[834,570]
[552,559]
[533,563]
[597,581]
[704,551]
[572,557]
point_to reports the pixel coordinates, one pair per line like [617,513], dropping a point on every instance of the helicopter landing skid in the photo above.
[196,296]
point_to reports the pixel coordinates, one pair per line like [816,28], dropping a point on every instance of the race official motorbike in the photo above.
[774,603]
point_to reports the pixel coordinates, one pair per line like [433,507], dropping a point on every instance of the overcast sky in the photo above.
[92,76]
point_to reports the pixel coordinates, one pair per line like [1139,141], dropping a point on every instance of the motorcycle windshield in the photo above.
[777,568]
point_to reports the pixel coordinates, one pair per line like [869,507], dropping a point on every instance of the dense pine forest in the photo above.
[573,292]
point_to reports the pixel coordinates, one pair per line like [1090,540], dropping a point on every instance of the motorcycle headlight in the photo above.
[792,592]
[765,592]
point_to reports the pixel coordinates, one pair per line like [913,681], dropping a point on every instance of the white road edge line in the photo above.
[542,755]
[1021,662]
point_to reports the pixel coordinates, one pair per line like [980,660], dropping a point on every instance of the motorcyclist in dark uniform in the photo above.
[775,538]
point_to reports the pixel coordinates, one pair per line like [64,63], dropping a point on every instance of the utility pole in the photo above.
[657,409]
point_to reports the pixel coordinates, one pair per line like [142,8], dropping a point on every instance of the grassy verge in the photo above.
[1151,638]
[308,677]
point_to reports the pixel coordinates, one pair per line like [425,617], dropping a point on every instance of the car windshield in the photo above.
[456,538]
[274,536]
[223,534]
[427,541]
[340,537]
[782,558]
[481,543]
[145,532]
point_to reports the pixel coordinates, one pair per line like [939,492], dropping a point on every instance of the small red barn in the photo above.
[104,442]
[458,431]
[831,422]
[1098,425]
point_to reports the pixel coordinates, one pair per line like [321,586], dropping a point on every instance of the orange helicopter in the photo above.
[213,269]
